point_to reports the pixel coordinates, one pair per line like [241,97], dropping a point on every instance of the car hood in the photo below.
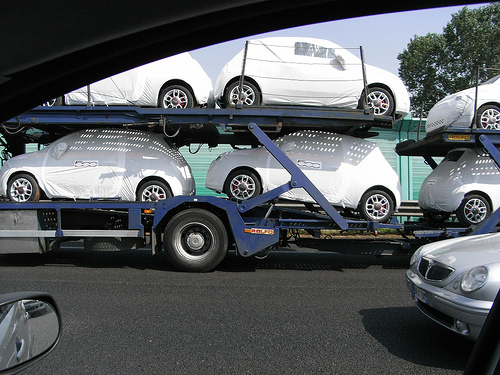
[466,252]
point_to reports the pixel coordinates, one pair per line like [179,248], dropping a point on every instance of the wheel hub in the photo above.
[242,187]
[377,103]
[195,241]
[175,101]
[377,206]
[20,190]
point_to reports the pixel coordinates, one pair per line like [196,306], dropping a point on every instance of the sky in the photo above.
[382,37]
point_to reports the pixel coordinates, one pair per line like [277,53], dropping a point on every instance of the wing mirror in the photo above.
[30,327]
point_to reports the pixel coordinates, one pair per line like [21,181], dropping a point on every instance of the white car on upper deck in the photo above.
[457,110]
[178,81]
[311,72]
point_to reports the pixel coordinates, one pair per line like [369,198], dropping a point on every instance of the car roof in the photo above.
[50,47]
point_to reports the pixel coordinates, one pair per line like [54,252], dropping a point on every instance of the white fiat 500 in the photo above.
[99,163]
[465,183]
[454,282]
[457,110]
[174,82]
[350,172]
[308,71]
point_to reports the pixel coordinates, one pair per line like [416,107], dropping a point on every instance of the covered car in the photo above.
[457,110]
[454,282]
[311,72]
[350,172]
[466,183]
[99,163]
[174,82]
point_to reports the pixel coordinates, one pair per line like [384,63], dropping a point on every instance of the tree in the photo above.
[436,65]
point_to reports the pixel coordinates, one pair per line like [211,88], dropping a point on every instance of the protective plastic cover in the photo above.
[141,86]
[457,110]
[460,172]
[308,71]
[342,167]
[102,163]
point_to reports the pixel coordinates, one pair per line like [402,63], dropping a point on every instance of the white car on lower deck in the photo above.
[350,172]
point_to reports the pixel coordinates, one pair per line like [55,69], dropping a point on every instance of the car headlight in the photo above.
[474,279]
[415,255]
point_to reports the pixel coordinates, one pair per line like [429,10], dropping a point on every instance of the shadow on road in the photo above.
[400,329]
[300,259]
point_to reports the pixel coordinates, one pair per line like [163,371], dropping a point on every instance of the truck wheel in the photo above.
[23,188]
[195,240]
[473,210]
[376,205]
[242,184]
[176,96]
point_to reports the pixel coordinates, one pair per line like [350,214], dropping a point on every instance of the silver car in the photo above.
[99,163]
[454,282]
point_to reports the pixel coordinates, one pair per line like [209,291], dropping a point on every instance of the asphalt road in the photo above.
[294,312]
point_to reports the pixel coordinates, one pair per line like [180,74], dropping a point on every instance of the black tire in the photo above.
[23,188]
[102,244]
[195,240]
[153,191]
[251,95]
[242,184]
[175,96]
[376,205]
[473,210]
[380,101]
[488,117]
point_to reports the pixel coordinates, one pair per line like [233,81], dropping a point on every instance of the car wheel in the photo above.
[473,210]
[488,117]
[153,191]
[376,205]
[176,96]
[380,101]
[195,240]
[249,96]
[23,188]
[242,185]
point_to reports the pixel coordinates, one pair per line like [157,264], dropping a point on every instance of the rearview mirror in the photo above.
[30,327]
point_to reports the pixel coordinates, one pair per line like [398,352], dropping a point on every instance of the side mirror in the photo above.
[30,327]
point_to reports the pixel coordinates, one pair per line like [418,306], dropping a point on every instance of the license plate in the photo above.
[420,294]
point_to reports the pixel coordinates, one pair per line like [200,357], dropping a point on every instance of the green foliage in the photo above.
[436,65]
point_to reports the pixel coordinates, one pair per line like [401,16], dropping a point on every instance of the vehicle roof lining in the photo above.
[76,43]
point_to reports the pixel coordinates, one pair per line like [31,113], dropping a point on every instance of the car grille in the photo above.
[431,270]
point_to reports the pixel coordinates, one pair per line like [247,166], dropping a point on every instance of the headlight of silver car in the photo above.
[415,255]
[474,279]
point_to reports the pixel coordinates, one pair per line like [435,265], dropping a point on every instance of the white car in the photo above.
[99,163]
[174,82]
[466,182]
[454,282]
[350,172]
[308,71]
[457,110]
